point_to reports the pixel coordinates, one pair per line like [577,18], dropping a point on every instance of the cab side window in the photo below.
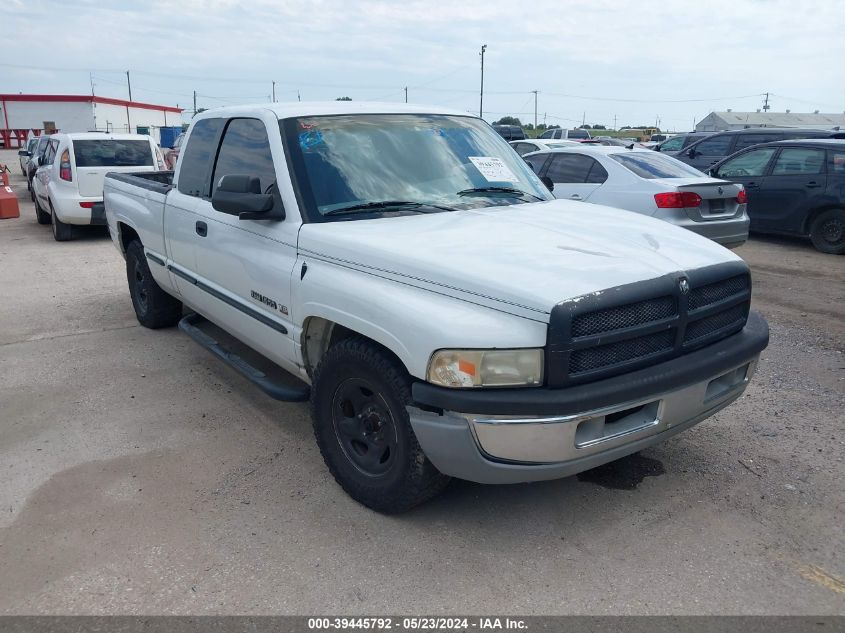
[245,151]
[198,154]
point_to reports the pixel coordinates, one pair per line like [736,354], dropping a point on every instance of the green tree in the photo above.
[344,99]
[508,120]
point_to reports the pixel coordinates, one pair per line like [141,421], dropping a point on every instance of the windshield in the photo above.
[436,162]
[651,165]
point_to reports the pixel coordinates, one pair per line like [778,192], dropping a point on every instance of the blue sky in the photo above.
[639,60]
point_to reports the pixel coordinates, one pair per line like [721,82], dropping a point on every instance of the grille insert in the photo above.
[592,358]
[702,328]
[624,316]
[712,293]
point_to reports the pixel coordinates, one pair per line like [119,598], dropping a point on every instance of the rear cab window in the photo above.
[651,165]
[113,153]
[193,178]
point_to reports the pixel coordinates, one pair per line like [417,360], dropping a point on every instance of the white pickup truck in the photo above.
[445,314]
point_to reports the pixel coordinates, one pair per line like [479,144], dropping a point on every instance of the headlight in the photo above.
[486,368]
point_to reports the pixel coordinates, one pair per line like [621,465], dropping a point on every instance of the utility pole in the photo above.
[91,79]
[614,121]
[298,97]
[274,92]
[195,103]
[766,105]
[535,108]
[129,85]
[481,95]
[406,94]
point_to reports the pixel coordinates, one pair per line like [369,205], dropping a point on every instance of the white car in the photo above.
[527,146]
[646,182]
[445,314]
[27,151]
[68,184]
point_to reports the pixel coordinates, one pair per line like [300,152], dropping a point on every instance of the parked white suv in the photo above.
[68,184]
[446,315]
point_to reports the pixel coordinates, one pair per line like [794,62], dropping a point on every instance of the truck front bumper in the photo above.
[518,435]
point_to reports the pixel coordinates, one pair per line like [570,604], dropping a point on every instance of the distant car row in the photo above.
[791,182]
[65,173]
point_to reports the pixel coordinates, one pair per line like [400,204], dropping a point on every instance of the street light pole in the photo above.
[535,108]
[481,96]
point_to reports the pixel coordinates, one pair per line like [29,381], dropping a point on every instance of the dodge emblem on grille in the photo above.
[683,284]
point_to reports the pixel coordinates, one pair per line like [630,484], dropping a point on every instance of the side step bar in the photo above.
[277,391]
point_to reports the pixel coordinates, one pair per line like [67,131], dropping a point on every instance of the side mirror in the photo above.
[656,148]
[692,153]
[241,195]
[548,182]
[23,152]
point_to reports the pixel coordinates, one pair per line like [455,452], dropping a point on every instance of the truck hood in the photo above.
[522,259]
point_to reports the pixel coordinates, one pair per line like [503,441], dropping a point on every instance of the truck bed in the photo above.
[158,181]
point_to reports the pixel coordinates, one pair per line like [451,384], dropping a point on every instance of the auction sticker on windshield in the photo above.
[493,169]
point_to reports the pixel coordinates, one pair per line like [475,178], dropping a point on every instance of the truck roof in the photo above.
[101,136]
[321,108]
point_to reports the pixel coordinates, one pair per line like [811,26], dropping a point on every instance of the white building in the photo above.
[22,115]
[730,120]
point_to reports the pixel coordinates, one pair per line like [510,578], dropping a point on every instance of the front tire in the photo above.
[827,231]
[154,308]
[61,232]
[358,403]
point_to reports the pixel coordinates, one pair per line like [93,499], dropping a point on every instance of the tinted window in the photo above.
[747,140]
[674,144]
[651,165]
[837,162]
[536,162]
[111,153]
[198,154]
[715,146]
[799,160]
[569,168]
[547,134]
[751,163]
[524,148]
[245,150]
[42,145]
[50,153]
[598,174]
[578,134]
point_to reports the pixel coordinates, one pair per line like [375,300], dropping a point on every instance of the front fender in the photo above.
[409,321]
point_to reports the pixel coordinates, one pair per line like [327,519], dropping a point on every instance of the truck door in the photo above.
[184,207]
[246,265]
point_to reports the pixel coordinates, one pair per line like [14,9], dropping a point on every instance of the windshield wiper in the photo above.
[363,207]
[510,190]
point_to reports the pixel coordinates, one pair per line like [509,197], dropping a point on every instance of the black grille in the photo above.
[593,358]
[624,316]
[711,293]
[625,328]
[698,330]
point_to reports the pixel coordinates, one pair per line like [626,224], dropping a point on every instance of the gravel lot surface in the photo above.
[142,476]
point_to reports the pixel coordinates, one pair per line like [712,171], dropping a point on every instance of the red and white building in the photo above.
[22,115]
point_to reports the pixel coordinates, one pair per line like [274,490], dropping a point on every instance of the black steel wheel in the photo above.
[154,308]
[359,398]
[828,231]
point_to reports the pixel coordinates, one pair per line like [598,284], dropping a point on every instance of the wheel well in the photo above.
[127,235]
[812,215]
[319,334]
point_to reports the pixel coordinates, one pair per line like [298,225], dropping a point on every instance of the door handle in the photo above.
[201,228]
[752,185]
[575,196]
[812,184]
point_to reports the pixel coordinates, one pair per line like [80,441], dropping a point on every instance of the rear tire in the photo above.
[358,404]
[40,214]
[828,231]
[154,308]
[61,232]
